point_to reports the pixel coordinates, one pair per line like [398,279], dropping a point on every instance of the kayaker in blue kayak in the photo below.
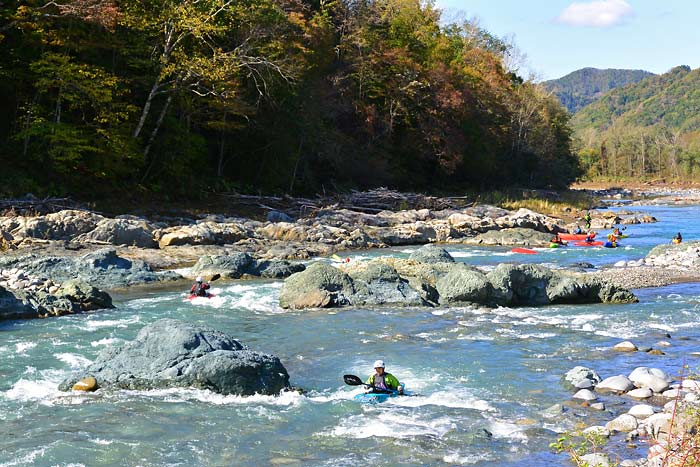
[200,288]
[383,380]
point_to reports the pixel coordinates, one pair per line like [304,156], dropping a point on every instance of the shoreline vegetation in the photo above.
[282,96]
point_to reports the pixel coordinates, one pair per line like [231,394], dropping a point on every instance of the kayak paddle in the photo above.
[352,380]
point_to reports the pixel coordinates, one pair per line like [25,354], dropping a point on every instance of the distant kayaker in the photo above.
[200,288]
[678,238]
[587,218]
[557,239]
[578,230]
[383,380]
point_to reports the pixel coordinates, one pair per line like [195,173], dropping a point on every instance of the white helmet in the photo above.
[379,364]
[199,279]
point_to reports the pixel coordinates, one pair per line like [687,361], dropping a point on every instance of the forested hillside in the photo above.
[648,129]
[581,87]
[295,96]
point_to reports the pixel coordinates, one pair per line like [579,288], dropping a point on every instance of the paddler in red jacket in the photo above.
[200,288]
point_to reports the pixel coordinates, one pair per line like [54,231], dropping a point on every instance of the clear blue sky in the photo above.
[560,36]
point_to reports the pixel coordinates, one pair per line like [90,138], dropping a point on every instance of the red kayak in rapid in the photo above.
[589,243]
[193,296]
[565,236]
[525,251]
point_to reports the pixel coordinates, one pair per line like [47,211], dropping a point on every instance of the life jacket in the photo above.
[199,289]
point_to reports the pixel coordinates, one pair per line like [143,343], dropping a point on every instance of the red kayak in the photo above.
[525,251]
[565,236]
[589,244]
[193,296]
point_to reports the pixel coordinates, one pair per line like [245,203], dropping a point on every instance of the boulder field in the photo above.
[431,277]
[173,354]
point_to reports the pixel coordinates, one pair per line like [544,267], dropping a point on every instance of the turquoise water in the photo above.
[472,371]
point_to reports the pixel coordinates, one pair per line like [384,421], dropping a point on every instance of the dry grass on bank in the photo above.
[550,203]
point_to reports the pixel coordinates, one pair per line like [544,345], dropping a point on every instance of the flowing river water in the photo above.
[481,378]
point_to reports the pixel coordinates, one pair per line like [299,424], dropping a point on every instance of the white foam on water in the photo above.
[21,347]
[456,458]
[27,459]
[258,298]
[93,323]
[662,327]
[102,442]
[105,341]
[506,430]
[390,425]
[408,251]
[524,335]
[507,253]
[459,399]
[176,395]
[73,360]
[216,301]
[465,254]
[44,390]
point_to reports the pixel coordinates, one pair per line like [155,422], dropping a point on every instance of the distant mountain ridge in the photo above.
[582,87]
[671,100]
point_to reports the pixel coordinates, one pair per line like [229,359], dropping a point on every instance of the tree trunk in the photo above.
[146,108]
[152,138]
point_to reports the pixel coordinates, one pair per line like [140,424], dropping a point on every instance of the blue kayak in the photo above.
[374,397]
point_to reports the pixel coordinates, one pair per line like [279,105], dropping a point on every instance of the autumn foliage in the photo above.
[266,95]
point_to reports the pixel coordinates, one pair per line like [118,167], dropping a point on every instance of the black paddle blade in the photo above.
[214,277]
[352,380]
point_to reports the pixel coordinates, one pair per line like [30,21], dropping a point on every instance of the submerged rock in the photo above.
[173,354]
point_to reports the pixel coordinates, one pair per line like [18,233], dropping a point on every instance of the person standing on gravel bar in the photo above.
[587,218]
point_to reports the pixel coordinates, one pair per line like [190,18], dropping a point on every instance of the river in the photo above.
[481,378]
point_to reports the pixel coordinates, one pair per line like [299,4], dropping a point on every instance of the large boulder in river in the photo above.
[394,281]
[237,264]
[380,284]
[102,268]
[512,237]
[72,297]
[535,285]
[203,233]
[174,354]
[464,284]
[319,286]
[129,232]
[431,254]
[62,225]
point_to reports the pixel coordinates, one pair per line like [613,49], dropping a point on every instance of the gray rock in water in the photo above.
[319,286]
[85,295]
[464,284]
[277,269]
[578,374]
[431,254]
[232,266]
[238,264]
[103,269]
[72,297]
[617,384]
[171,353]
[512,237]
[380,284]
[129,232]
